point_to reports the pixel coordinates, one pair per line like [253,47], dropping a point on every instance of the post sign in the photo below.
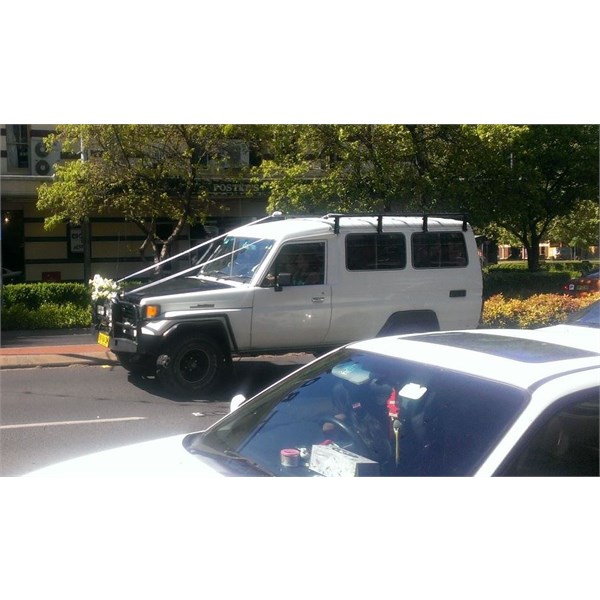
[75,239]
[232,188]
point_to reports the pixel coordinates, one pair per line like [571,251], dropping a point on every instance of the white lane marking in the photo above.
[52,423]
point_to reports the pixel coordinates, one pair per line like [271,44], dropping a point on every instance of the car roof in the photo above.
[521,358]
[290,228]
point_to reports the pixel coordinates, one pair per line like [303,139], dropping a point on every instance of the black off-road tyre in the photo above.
[192,367]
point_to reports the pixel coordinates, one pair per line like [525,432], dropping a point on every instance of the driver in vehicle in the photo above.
[362,417]
[303,273]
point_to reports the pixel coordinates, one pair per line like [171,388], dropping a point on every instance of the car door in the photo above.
[292,308]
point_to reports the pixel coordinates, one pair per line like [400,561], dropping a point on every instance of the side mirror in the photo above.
[283,280]
[236,401]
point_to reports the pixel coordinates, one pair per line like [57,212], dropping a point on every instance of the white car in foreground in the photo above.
[460,403]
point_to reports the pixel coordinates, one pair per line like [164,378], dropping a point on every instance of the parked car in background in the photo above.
[9,276]
[587,317]
[585,284]
[563,254]
[454,403]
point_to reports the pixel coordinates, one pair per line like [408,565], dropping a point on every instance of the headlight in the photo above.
[151,311]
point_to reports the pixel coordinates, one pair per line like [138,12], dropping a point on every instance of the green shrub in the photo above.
[47,316]
[33,295]
[519,283]
[575,267]
[48,305]
[513,280]
[536,311]
[45,306]
[509,265]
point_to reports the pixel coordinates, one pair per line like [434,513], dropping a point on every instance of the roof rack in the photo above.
[379,216]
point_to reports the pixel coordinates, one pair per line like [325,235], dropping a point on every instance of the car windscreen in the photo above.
[363,413]
[236,257]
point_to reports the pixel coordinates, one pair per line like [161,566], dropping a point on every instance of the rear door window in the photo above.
[439,250]
[375,251]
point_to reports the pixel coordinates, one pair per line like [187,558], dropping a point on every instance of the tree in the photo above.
[523,178]
[580,228]
[141,172]
[514,178]
[351,168]
[520,178]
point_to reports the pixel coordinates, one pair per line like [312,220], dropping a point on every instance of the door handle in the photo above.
[318,298]
[458,293]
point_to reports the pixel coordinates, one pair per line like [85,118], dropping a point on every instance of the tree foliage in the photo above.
[580,228]
[351,168]
[144,173]
[516,181]
[523,178]
[513,180]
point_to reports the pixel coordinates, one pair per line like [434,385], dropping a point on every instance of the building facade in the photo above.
[58,254]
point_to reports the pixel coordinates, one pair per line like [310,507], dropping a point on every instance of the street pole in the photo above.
[87,258]
[86,237]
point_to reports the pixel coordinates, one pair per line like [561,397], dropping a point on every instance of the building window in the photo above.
[17,147]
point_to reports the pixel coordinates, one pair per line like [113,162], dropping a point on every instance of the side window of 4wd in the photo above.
[375,251]
[439,250]
[298,264]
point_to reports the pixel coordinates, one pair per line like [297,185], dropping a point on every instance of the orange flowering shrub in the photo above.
[539,310]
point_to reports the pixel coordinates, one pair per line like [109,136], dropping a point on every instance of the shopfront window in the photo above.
[17,147]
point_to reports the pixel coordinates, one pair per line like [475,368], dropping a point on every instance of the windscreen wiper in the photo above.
[237,456]
[194,446]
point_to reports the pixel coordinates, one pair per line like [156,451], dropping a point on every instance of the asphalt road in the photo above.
[56,413]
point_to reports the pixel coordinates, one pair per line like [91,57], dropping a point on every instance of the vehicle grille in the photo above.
[125,317]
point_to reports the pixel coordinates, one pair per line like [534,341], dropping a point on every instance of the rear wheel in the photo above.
[192,366]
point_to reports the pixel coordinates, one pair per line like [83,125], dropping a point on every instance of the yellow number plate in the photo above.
[103,339]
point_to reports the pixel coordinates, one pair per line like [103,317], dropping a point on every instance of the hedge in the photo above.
[33,295]
[516,283]
[576,267]
[539,310]
[513,280]
[47,316]
[45,306]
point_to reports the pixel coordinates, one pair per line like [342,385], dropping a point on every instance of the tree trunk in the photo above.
[533,252]
[166,249]
[533,259]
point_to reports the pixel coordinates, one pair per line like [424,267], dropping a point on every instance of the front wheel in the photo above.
[192,366]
